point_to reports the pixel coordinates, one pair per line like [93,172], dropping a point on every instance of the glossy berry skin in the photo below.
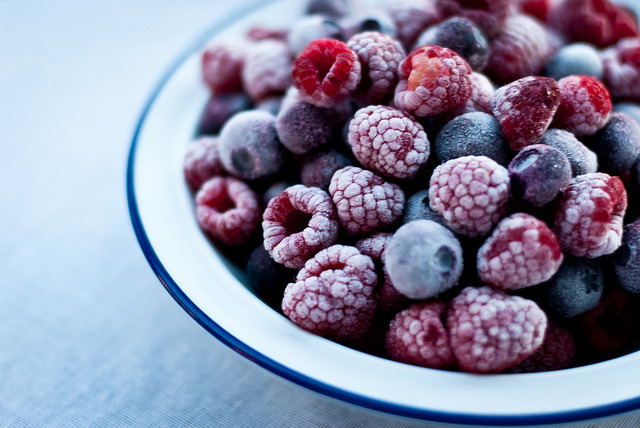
[585,105]
[267,278]
[267,69]
[588,219]
[490,16]
[617,144]
[538,174]
[522,251]
[423,259]
[326,72]
[461,36]
[433,80]
[318,168]
[418,207]
[575,59]
[490,331]
[621,69]
[626,260]
[575,289]
[582,159]
[333,295]
[202,161]
[556,352]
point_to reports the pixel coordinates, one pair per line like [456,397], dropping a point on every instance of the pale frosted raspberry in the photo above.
[298,223]
[267,69]
[222,67]
[417,336]
[621,69]
[333,295]
[202,161]
[588,219]
[585,105]
[522,251]
[490,331]
[471,193]
[481,92]
[389,142]
[365,202]
[556,352]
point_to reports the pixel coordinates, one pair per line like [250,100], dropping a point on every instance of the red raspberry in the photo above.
[228,210]
[389,142]
[521,49]
[525,109]
[298,223]
[585,105]
[588,220]
[621,69]
[267,70]
[417,336]
[556,352]
[222,66]
[333,295]
[326,72]
[471,193]
[481,92]
[490,331]
[599,22]
[539,9]
[202,161]
[433,80]
[364,201]
[522,251]
[488,15]
[379,55]
[412,17]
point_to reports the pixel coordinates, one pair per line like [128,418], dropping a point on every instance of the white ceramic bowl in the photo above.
[209,289]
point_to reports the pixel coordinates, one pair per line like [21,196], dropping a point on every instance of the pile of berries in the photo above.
[445,183]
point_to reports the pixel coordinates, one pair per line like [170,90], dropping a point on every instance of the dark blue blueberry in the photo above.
[617,144]
[574,289]
[330,8]
[631,109]
[318,168]
[417,208]
[474,133]
[461,36]
[538,174]
[575,59]
[309,29]
[626,259]
[219,109]
[266,278]
[582,159]
[303,127]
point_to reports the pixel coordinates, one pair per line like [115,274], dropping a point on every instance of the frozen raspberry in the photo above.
[477,134]
[538,174]
[228,210]
[539,9]
[582,159]
[522,251]
[471,193]
[521,49]
[318,169]
[326,72]
[379,55]
[258,34]
[489,15]
[412,17]
[310,28]
[202,161]
[417,336]
[433,80]
[599,22]
[365,202]
[222,67]
[621,69]
[584,107]
[389,142]
[418,207]
[303,127]
[267,69]
[461,36]
[424,259]
[481,92]
[525,109]
[490,331]
[298,223]
[249,146]
[626,260]
[267,278]
[575,59]
[556,352]
[219,109]
[330,8]
[617,144]
[333,295]
[588,220]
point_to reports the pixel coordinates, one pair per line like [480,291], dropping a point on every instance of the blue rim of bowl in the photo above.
[253,355]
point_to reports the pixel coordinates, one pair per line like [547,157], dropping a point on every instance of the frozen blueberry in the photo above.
[574,289]
[270,104]
[249,146]
[423,259]
[629,108]
[477,134]
[626,259]
[580,59]
[582,159]
[617,144]
[309,29]
[266,278]
[330,8]
[219,109]
[417,208]
[374,20]
[538,174]
[318,168]
[303,127]
[274,190]
[461,36]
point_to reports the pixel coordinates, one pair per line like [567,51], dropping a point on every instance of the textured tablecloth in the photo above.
[88,336]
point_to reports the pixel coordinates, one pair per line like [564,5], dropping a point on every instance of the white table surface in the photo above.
[88,336]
